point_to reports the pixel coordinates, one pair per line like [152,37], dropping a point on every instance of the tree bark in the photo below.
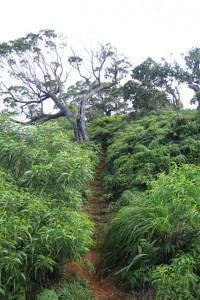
[80,121]
[80,118]
[64,109]
[195,88]
[69,115]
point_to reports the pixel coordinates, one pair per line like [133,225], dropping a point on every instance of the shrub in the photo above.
[42,178]
[75,290]
[177,280]
[153,231]
[137,152]
[37,236]
[51,165]
[47,295]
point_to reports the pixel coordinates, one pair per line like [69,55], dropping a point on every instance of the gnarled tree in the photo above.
[105,103]
[38,67]
[192,60]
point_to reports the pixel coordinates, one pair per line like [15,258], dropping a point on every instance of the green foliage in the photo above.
[154,229]
[50,165]
[75,290]
[177,280]
[138,151]
[192,61]
[106,103]
[102,130]
[42,178]
[153,76]
[152,171]
[145,99]
[47,295]
[37,236]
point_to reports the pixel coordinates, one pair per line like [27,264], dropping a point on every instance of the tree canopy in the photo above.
[43,68]
[40,66]
[155,84]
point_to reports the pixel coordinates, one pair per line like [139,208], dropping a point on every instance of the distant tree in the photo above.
[39,72]
[145,98]
[106,103]
[192,60]
[160,76]
[196,99]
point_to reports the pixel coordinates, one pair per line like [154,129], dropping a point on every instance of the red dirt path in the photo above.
[102,288]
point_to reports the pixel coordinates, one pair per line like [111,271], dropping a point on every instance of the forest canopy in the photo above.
[39,68]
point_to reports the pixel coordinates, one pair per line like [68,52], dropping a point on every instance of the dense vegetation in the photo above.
[147,146]
[153,177]
[43,175]
[74,289]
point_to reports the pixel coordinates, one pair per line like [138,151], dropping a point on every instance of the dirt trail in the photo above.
[96,207]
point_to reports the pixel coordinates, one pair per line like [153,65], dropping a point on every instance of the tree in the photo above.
[105,103]
[196,99]
[145,98]
[110,101]
[162,76]
[39,73]
[105,64]
[192,60]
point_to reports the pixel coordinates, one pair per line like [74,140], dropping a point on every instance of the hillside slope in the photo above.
[152,178]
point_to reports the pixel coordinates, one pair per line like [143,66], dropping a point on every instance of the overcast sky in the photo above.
[138,28]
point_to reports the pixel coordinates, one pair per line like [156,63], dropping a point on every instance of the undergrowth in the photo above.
[43,180]
[152,177]
[73,290]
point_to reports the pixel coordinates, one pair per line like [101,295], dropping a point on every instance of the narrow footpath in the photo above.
[97,209]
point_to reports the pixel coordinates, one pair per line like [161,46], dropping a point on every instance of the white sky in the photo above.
[138,28]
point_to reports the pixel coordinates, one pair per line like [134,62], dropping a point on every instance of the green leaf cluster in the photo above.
[75,290]
[43,175]
[44,159]
[155,239]
[137,152]
[153,176]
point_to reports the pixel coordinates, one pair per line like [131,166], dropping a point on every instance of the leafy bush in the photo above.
[75,290]
[102,130]
[42,178]
[37,236]
[153,231]
[47,295]
[177,280]
[138,150]
[51,165]
[155,190]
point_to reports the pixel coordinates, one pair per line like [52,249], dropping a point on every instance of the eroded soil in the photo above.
[97,208]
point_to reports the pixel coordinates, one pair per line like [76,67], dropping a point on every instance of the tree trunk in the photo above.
[80,121]
[67,112]
[79,127]
[195,88]
[80,118]
[108,113]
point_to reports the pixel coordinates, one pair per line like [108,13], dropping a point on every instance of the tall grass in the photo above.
[151,232]
[42,180]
